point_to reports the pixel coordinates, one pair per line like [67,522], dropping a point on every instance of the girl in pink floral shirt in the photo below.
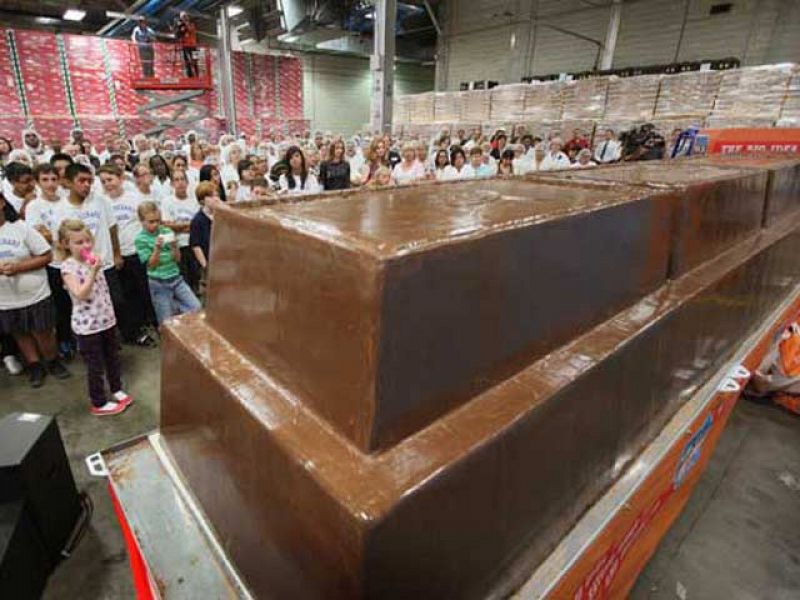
[93,319]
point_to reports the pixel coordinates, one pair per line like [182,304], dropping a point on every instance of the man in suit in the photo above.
[609,149]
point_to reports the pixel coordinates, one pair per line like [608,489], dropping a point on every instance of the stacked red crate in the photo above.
[128,100]
[240,89]
[264,86]
[9,100]
[39,62]
[54,128]
[291,87]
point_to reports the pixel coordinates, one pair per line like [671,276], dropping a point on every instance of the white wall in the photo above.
[336,90]
[506,40]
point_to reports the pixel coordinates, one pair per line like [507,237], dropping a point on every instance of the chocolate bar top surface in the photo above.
[675,174]
[398,221]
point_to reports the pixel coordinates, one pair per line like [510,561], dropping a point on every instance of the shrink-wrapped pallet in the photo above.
[790,111]
[584,99]
[688,94]
[508,102]
[401,109]
[421,108]
[752,96]
[476,105]
[632,98]
[447,107]
[543,101]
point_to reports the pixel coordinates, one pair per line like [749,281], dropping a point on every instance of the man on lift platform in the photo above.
[144,36]
[186,36]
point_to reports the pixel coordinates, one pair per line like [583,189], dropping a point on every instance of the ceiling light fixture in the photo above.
[74,14]
[112,14]
[235,10]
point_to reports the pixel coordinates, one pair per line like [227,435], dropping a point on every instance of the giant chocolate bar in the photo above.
[783,185]
[384,310]
[462,507]
[719,206]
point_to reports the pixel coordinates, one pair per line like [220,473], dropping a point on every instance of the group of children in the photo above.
[81,260]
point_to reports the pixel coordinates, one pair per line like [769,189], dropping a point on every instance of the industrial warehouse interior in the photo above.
[400,299]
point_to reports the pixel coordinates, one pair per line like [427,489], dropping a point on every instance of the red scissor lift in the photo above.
[172,90]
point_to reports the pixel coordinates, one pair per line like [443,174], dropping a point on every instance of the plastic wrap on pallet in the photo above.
[476,105]
[632,97]
[446,107]
[790,111]
[508,102]
[687,94]
[263,86]
[401,112]
[584,98]
[421,108]
[752,95]
[85,60]
[543,101]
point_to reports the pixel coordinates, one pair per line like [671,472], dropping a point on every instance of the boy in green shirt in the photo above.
[158,251]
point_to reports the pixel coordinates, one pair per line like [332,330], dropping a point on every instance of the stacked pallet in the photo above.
[508,102]
[401,110]
[447,107]
[543,102]
[751,96]
[790,111]
[688,95]
[476,105]
[632,98]
[584,99]
[421,108]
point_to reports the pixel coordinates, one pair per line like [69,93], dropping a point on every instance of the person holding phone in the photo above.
[158,249]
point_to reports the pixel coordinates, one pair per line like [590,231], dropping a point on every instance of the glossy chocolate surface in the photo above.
[783,187]
[384,310]
[447,511]
[717,206]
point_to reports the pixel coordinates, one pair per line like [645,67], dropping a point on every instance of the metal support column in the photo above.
[226,69]
[610,43]
[382,65]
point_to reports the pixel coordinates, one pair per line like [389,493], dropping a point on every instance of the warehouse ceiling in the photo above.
[330,26]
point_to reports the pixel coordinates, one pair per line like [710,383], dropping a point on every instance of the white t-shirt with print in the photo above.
[41,213]
[95,313]
[179,211]
[19,241]
[127,219]
[96,213]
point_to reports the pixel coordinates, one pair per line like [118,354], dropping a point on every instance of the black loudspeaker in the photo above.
[34,469]
[24,564]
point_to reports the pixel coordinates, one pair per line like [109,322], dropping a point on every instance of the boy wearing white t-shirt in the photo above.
[41,214]
[132,275]
[178,211]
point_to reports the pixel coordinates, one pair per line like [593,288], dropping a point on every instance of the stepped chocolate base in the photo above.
[445,513]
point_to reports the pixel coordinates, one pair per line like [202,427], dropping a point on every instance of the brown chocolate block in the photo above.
[783,185]
[384,310]
[448,511]
[719,206]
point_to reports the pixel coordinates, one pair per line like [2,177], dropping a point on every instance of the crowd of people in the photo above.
[96,242]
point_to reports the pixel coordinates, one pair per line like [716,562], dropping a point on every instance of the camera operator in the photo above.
[144,36]
[186,36]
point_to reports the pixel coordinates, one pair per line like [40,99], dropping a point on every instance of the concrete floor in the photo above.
[738,539]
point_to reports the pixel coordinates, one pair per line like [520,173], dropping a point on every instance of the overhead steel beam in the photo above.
[382,65]
[432,16]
